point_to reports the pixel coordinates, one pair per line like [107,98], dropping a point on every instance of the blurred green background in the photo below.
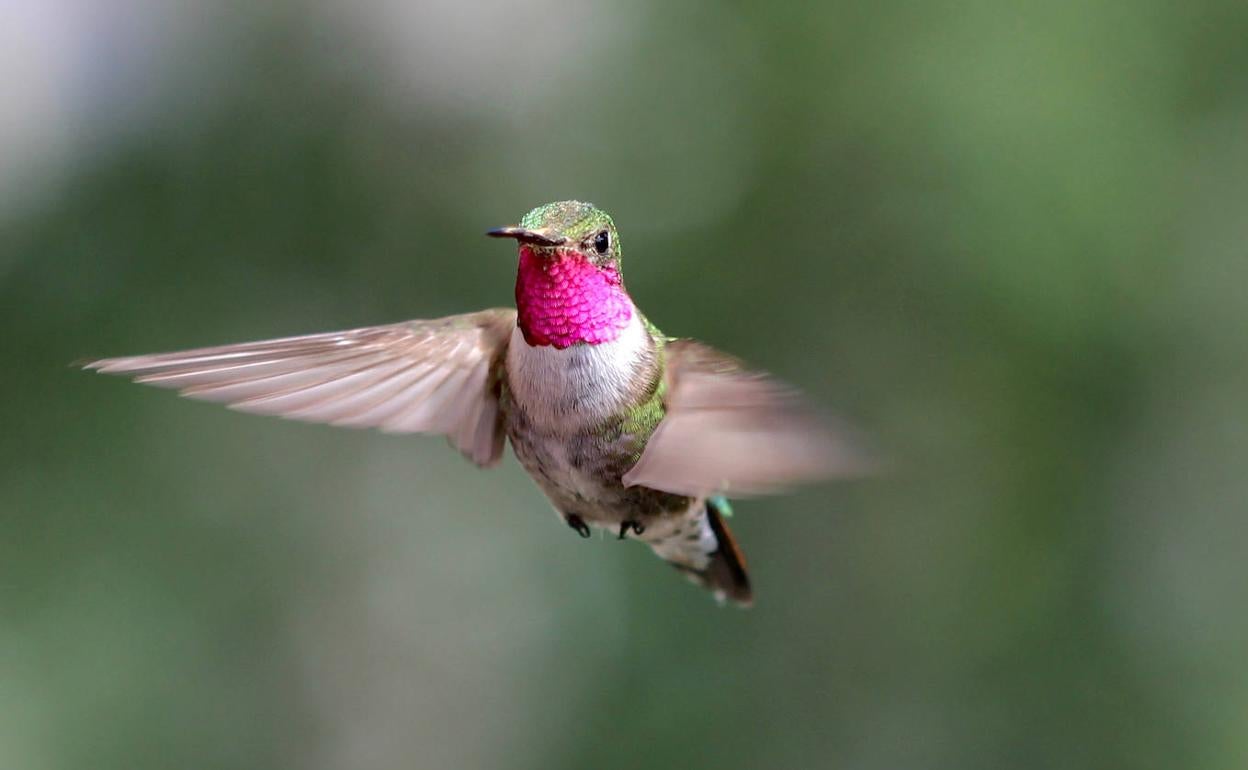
[1006,240]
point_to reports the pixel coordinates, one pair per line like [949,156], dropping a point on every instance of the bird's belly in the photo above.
[576,388]
[564,410]
[570,479]
[580,473]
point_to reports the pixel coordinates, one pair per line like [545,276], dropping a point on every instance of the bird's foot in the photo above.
[636,526]
[576,522]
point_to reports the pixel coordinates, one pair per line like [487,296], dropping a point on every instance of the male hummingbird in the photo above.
[622,427]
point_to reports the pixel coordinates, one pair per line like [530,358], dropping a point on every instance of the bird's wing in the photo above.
[435,376]
[732,431]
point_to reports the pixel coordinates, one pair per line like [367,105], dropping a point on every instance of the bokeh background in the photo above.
[1005,240]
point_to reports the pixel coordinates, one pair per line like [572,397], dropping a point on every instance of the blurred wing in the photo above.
[732,431]
[418,376]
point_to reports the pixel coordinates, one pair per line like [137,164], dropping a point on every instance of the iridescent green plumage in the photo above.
[574,220]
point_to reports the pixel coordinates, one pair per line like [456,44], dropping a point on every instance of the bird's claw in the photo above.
[636,526]
[576,522]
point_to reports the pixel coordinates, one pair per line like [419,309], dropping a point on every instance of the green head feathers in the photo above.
[585,227]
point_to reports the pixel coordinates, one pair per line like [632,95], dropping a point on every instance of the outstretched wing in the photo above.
[732,431]
[433,376]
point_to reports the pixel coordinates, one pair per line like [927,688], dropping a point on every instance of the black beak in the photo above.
[535,237]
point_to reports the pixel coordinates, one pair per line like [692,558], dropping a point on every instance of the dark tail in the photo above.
[704,549]
[726,572]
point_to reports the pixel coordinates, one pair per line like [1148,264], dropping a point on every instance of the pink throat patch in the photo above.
[565,299]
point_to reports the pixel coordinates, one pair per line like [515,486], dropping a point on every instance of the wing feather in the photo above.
[728,430]
[346,408]
[247,390]
[436,376]
[434,410]
[293,399]
[387,402]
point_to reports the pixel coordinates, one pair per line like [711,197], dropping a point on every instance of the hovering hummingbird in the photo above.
[623,428]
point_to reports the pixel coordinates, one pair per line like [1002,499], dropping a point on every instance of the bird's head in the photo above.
[567,227]
[568,284]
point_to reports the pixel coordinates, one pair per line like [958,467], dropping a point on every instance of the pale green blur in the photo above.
[1007,241]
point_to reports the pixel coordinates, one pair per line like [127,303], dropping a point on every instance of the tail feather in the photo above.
[727,572]
[700,545]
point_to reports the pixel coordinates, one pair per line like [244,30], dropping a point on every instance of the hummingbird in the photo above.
[624,428]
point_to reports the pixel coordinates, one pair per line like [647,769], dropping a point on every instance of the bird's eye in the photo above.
[602,242]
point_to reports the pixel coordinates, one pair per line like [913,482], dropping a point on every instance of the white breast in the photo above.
[578,386]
